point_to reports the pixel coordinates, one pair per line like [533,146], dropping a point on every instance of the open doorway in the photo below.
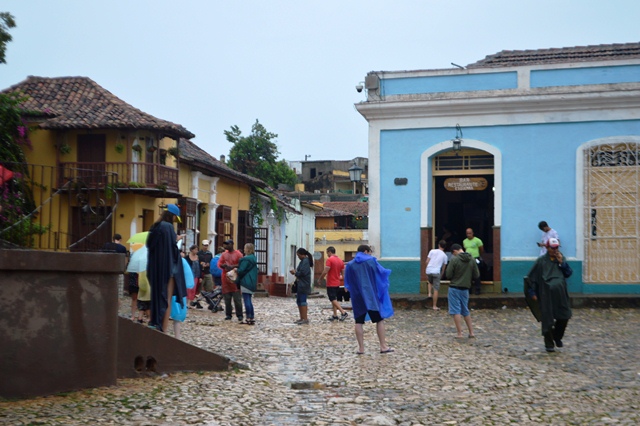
[463,188]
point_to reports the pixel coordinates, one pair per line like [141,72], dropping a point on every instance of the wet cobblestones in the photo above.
[311,374]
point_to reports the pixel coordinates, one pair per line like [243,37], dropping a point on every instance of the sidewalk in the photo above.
[298,375]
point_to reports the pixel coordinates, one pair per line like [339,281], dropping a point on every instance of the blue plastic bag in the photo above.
[188,274]
[178,313]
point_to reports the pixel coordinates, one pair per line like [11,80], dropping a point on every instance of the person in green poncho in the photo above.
[547,285]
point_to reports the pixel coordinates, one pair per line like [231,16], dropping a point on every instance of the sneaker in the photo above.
[558,343]
[302,322]
[334,318]
[198,305]
[240,320]
[227,318]
[344,316]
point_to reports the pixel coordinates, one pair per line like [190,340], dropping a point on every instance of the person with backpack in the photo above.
[248,280]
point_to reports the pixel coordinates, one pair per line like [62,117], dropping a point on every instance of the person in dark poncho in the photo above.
[368,285]
[164,268]
[546,284]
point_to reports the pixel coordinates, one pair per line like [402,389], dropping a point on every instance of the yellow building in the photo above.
[97,165]
[216,199]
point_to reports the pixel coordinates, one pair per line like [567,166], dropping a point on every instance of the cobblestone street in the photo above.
[311,374]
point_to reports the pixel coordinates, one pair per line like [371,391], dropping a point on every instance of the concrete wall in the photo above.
[58,321]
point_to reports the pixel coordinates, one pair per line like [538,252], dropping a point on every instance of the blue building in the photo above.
[500,145]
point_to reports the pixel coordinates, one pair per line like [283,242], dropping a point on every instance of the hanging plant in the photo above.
[119,148]
[152,148]
[137,148]
[173,151]
[65,149]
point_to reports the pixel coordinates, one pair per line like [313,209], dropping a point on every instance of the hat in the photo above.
[455,247]
[205,242]
[229,242]
[553,242]
[173,209]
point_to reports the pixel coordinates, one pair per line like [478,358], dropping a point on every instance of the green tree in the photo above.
[6,22]
[257,155]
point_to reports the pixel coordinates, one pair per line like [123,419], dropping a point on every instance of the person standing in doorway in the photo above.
[547,232]
[547,284]
[474,246]
[461,271]
[436,263]
[230,290]
[332,270]
[368,284]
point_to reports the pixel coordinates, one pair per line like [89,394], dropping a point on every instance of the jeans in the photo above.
[237,302]
[248,304]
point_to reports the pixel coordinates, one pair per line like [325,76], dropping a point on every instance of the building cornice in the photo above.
[517,106]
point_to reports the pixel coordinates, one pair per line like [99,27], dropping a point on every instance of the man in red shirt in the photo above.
[229,260]
[332,271]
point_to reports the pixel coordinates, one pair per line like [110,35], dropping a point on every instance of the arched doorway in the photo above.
[463,190]
[485,209]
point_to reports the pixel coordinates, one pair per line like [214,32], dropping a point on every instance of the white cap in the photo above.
[205,242]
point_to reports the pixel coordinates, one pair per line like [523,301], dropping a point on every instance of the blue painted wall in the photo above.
[450,83]
[539,183]
[405,276]
[582,76]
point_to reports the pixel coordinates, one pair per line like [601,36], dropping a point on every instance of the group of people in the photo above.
[545,285]
[167,278]
[365,279]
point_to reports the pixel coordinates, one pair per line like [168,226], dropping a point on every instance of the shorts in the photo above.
[458,302]
[207,282]
[144,305]
[332,293]
[301,299]
[133,283]
[374,316]
[434,279]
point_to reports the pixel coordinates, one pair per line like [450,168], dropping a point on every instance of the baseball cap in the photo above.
[553,242]
[229,242]
[173,209]
[205,242]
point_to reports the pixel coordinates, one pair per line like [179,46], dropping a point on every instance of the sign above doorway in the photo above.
[465,184]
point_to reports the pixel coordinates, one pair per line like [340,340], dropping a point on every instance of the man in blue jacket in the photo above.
[368,284]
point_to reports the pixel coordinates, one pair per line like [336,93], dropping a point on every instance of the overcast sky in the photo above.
[293,65]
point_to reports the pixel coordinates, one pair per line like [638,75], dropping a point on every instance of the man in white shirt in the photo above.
[436,262]
[547,233]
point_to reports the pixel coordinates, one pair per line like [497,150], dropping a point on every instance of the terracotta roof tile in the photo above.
[344,208]
[192,154]
[602,52]
[81,103]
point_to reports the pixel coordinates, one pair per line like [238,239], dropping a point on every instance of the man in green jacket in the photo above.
[460,271]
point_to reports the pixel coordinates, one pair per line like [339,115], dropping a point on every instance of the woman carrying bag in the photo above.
[248,280]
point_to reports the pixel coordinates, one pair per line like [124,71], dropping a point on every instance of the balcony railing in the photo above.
[132,175]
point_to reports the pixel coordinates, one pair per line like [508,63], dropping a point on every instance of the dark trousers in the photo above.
[237,302]
[556,334]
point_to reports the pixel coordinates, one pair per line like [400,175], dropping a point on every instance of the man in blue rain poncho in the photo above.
[368,283]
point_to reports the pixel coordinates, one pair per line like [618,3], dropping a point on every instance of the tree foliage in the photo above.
[257,155]
[6,22]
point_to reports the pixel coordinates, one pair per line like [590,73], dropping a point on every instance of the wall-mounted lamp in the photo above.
[161,207]
[457,141]
[203,209]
